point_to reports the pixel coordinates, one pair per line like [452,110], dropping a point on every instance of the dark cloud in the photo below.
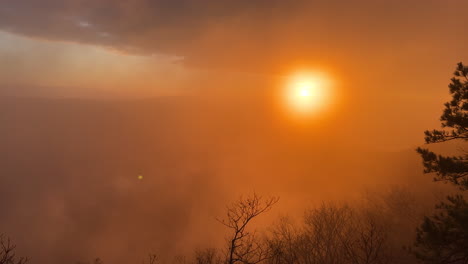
[231,33]
[139,25]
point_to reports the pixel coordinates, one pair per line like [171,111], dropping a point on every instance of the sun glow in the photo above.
[307,93]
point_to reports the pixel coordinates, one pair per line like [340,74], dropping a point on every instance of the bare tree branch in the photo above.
[244,247]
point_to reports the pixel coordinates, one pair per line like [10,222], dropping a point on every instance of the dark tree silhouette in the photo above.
[443,237]
[7,253]
[452,169]
[244,247]
[207,256]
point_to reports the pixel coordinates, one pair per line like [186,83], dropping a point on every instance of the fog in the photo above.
[126,127]
[70,188]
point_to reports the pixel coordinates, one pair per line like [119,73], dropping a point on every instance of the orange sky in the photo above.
[148,48]
[390,58]
[192,91]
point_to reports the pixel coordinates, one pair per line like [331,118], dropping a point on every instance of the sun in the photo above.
[307,93]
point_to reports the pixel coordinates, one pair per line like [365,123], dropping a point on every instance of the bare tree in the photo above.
[330,234]
[7,253]
[325,229]
[284,242]
[366,241]
[152,259]
[207,256]
[244,247]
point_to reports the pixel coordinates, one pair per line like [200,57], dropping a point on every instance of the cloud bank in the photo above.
[256,35]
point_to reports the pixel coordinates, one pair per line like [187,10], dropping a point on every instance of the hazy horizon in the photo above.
[127,126]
